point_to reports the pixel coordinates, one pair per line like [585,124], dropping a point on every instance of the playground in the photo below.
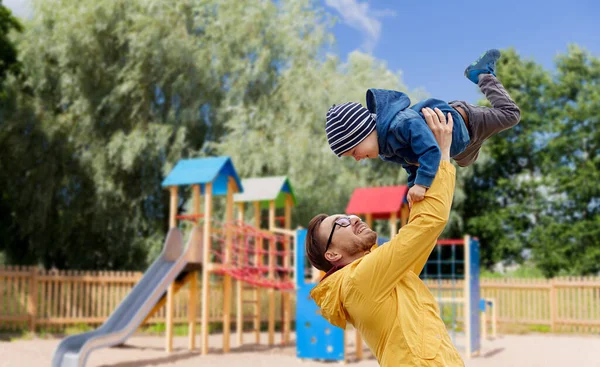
[164,167]
[253,276]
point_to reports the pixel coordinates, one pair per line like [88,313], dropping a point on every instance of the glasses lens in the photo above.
[344,222]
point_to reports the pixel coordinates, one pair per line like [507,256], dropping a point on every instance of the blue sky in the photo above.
[432,41]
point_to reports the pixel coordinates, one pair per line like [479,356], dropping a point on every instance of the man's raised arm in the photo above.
[379,272]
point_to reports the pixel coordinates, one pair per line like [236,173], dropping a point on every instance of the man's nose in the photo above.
[354,219]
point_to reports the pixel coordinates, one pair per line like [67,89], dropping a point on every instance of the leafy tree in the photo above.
[567,237]
[534,188]
[8,51]
[120,90]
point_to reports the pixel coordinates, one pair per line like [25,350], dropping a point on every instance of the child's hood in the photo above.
[385,104]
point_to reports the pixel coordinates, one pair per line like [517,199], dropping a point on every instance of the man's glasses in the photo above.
[342,222]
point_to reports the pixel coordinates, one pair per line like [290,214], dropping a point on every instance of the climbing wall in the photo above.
[316,338]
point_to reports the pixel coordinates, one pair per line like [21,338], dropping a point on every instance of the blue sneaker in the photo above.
[485,64]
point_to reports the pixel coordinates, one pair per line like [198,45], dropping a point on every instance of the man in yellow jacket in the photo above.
[378,289]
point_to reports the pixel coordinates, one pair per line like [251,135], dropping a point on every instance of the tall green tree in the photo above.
[533,191]
[120,90]
[283,132]
[567,237]
[8,50]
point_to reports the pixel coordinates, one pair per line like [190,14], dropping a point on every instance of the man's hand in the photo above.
[415,194]
[442,131]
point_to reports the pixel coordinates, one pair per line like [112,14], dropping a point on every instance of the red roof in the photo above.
[381,202]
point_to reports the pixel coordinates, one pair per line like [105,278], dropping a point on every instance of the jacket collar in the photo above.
[331,271]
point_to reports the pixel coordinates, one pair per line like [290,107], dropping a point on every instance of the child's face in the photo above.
[368,148]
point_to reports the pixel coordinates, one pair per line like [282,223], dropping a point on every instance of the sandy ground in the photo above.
[505,351]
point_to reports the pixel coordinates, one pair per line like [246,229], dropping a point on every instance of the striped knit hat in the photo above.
[347,125]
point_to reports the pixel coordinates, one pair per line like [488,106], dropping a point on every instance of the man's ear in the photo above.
[332,256]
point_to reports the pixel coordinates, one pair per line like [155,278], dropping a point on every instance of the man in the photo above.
[377,289]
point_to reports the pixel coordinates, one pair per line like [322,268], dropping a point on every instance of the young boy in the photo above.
[389,129]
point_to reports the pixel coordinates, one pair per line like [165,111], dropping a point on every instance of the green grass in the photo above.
[528,271]
[77,329]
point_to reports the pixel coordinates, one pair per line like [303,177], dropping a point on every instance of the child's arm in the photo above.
[412,173]
[423,144]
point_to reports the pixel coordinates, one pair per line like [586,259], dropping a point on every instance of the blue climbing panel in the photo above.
[475,295]
[316,338]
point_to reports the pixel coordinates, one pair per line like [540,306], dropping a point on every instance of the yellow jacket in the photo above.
[382,295]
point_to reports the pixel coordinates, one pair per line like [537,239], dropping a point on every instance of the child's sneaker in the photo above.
[485,64]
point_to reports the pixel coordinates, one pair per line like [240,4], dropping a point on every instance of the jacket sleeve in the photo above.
[425,146]
[380,271]
[412,174]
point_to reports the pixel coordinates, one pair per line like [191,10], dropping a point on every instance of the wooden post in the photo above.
[272,291]
[484,323]
[173,207]
[393,225]
[192,304]
[259,263]
[240,291]
[553,306]
[32,300]
[171,289]
[196,200]
[494,318]
[257,312]
[193,290]
[271,215]
[169,321]
[206,264]
[369,220]
[231,187]
[467,298]
[287,315]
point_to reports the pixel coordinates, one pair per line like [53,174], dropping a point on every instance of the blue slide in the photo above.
[74,350]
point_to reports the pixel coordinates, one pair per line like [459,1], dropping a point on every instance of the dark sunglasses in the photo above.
[342,222]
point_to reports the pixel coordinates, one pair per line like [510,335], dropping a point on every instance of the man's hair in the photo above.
[315,251]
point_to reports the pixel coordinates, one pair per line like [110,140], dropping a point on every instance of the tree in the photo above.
[8,51]
[567,237]
[120,90]
[283,132]
[534,188]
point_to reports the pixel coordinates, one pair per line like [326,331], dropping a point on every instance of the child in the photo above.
[396,133]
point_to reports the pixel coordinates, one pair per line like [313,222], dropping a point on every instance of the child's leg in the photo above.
[485,122]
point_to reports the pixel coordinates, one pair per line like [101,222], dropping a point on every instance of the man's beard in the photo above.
[365,242]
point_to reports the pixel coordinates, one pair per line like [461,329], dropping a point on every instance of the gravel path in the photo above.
[506,351]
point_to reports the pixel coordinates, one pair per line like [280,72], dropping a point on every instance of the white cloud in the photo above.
[357,15]
[20,8]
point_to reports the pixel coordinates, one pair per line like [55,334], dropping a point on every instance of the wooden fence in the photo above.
[565,304]
[34,299]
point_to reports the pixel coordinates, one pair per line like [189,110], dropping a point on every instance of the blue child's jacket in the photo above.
[405,138]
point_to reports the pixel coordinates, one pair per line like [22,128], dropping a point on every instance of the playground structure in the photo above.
[231,249]
[271,193]
[317,339]
[259,259]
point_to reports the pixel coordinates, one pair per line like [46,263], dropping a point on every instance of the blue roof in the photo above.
[200,171]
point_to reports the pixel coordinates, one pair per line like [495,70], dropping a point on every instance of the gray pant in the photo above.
[485,122]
